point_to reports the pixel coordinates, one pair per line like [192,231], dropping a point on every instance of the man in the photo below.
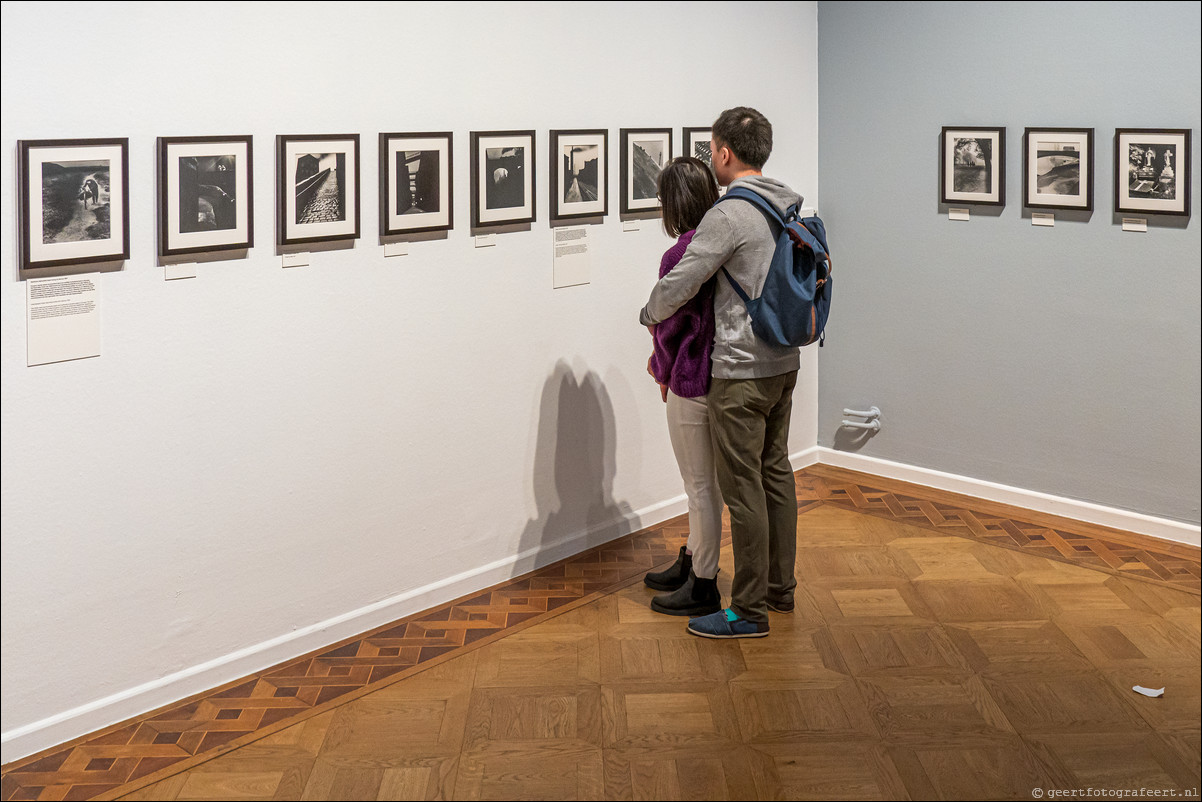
[751,395]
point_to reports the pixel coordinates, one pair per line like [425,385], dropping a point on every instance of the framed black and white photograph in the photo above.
[205,194]
[416,186]
[502,175]
[74,201]
[697,144]
[645,152]
[1058,168]
[1152,171]
[579,167]
[972,165]
[317,183]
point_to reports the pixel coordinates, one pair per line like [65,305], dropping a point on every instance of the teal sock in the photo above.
[730,615]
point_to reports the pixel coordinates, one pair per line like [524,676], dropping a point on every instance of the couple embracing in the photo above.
[728,394]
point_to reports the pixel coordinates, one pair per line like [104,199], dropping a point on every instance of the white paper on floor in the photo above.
[1155,693]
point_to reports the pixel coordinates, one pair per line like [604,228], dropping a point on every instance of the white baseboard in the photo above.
[58,729]
[1162,528]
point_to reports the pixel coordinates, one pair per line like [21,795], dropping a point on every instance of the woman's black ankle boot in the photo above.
[675,576]
[696,597]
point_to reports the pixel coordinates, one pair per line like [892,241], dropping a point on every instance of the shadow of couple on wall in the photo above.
[574,463]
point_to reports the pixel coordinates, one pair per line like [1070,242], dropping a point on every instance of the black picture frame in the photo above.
[587,193]
[426,201]
[638,180]
[695,142]
[503,165]
[305,164]
[1062,161]
[1145,188]
[211,178]
[972,165]
[87,218]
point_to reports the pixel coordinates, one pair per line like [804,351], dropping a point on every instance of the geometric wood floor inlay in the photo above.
[941,647]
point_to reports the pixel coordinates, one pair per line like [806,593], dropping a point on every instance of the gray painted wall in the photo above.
[1063,360]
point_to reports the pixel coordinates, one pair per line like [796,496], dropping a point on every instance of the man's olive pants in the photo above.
[749,423]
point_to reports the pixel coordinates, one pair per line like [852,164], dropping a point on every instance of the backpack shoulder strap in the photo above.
[757,200]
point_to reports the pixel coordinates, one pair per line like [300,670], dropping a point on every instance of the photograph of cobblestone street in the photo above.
[320,184]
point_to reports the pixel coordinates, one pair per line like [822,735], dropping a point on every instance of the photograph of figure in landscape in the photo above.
[973,165]
[75,201]
[207,193]
[505,182]
[320,188]
[418,185]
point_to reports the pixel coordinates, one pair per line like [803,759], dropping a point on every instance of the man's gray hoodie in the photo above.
[733,233]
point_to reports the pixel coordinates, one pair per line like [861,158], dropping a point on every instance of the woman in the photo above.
[680,363]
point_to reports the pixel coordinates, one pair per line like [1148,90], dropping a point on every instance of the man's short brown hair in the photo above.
[747,133]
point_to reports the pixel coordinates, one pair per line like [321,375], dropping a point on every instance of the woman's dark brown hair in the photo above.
[687,190]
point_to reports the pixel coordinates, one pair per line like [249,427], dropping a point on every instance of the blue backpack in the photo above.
[792,309]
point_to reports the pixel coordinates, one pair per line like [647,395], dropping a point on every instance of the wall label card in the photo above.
[295,259]
[573,258]
[486,240]
[958,214]
[396,249]
[62,318]
[1042,219]
[1136,224]
[630,225]
[172,272]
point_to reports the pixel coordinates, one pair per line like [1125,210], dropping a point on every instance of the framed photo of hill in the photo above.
[317,183]
[205,194]
[1058,168]
[972,165]
[416,177]
[502,173]
[579,173]
[645,152]
[74,201]
[1152,171]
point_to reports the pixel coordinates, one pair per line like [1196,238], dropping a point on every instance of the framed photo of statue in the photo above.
[579,173]
[972,165]
[645,153]
[317,185]
[1152,171]
[74,201]
[1058,168]
[502,178]
[416,183]
[206,187]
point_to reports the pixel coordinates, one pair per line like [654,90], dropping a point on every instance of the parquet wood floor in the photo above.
[942,647]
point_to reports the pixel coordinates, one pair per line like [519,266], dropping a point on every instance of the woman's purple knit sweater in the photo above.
[684,342]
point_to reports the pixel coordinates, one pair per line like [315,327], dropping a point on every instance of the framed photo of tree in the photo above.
[317,186]
[972,165]
[206,187]
[579,171]
[74,201]
[645,153]
[416,183]
[1058,168]
[502,177]
[1152,171]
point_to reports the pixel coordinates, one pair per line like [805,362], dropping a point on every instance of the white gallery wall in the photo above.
[266,460]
